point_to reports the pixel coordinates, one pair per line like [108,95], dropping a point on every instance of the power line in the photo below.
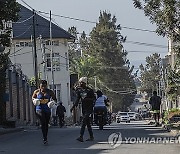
[145,30]
[27,4]
[140,43]
[145,51]
[77,19]
[146,44]
[93,22]
[23,32]
[20,22]
[20,53]
[132,42]
[87,21]
[92,66]
[12,54]
[59,54]
[17,50]
[128,91]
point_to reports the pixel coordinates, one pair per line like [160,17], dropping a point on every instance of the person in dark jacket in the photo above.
[60,113]
[155,102]
[87,97]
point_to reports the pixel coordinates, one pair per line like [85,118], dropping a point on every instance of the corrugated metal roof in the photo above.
[23,28]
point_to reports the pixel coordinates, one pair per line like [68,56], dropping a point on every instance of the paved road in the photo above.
[62,141]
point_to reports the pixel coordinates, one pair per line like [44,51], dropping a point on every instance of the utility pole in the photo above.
[35,51]
[52,68]
[44,62]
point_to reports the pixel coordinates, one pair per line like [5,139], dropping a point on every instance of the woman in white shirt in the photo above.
[100,104]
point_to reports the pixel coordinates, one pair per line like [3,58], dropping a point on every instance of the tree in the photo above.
[114,76]
[84,66]
[173,80]
[81,62]
[165,14]
[150,73]
[8,13]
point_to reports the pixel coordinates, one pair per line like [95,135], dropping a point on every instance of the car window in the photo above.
[123,114]
[131,113]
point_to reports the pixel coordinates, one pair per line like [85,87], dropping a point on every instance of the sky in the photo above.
[126,14]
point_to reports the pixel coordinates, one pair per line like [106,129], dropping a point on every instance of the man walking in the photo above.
[54,115]
[60,112]
[87,97]
[155,102]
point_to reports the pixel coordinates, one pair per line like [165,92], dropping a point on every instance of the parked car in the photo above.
[122,117]
[132,115]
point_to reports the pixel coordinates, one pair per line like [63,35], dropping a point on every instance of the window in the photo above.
[47,42]
[55,43]
[56,62]
[23,44]
[57,91]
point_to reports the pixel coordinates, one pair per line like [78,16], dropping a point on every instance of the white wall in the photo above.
[24,56]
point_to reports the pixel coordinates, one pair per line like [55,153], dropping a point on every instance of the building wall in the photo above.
[22,53]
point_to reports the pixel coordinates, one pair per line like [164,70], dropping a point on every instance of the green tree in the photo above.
[74,45]
[173,80]
[8,13]
[84,66]
[165,14]
[150,73]
[105,44]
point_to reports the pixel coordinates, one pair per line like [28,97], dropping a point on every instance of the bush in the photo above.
[168,115]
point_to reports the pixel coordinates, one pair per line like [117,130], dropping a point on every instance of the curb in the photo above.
[8,131]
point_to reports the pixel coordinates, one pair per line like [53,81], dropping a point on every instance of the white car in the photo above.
[132,115]
[122,117]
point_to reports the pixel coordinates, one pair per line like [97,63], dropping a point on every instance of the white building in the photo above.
[22,52]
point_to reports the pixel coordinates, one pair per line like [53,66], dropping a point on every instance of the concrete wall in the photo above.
[19,107]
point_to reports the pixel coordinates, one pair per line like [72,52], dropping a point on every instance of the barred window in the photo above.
[56,62]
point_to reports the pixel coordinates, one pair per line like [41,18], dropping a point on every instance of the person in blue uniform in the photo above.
[43,111]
